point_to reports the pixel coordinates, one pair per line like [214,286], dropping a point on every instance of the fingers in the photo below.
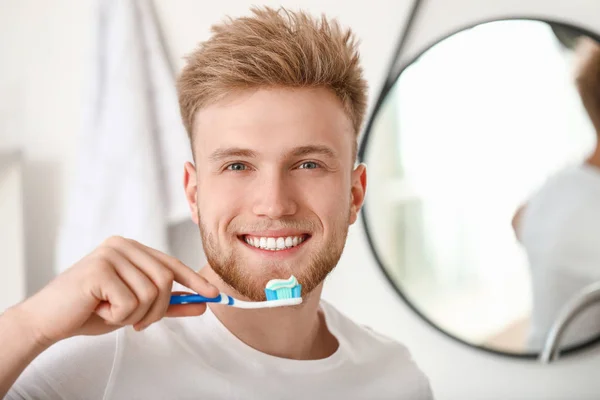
[185,310]
[140,292]
[138,283]
[143,285]
[159,276]
[182,273]
[119,302]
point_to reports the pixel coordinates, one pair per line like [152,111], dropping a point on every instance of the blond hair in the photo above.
[274,48]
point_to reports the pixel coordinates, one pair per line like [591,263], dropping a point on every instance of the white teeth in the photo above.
[271,243]
[280,243]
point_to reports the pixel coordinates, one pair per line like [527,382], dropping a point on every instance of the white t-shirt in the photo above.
[560,231]
[198,358]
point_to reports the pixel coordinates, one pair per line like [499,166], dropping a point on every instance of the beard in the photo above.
[250,281]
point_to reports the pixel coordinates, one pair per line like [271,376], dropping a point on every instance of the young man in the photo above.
[559,227]
[273,104]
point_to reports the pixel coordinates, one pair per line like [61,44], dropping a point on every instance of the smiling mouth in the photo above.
[275,243]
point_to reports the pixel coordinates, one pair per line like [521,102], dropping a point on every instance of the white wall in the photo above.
[45,47]
[12,238]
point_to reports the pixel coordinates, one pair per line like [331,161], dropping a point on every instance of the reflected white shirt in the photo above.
[560,230]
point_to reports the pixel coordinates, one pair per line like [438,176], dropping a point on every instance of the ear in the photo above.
[357,191]
[191,189]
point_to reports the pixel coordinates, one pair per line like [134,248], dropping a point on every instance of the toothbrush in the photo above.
[222,298]
[279,292]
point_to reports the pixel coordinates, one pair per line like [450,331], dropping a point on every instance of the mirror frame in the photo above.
[364,144]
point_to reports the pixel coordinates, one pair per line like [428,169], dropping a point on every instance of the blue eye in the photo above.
[309,165]
[236,167]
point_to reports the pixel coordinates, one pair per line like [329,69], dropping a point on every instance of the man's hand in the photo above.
[120,283]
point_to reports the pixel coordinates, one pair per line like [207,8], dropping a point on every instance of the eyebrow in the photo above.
[301,151]
[313,149]
[231,152]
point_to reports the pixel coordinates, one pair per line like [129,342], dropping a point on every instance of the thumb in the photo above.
[185,310]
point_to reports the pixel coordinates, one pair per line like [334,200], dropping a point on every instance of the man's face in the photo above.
[274,188]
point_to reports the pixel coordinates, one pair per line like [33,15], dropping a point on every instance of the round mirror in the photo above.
[483,206]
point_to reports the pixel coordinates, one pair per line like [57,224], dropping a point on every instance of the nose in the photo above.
[274,197]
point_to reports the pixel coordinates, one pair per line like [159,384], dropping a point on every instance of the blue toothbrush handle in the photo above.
[193,298]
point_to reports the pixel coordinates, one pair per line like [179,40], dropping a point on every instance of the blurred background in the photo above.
[429,242]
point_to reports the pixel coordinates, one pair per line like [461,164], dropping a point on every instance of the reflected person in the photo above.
[559,226]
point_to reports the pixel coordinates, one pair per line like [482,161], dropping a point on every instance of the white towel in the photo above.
[128,176]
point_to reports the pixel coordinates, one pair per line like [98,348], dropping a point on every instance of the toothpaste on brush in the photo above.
[283,289]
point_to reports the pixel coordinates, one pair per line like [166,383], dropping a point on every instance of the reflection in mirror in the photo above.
[484,199]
